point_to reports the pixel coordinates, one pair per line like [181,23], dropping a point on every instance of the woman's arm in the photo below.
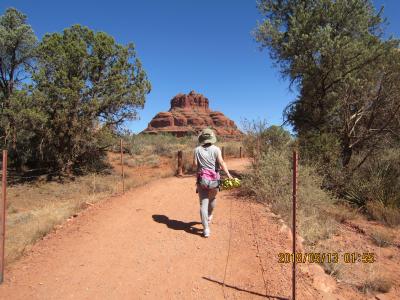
[223,164]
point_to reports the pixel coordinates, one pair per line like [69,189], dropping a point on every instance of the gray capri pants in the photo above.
[207,203]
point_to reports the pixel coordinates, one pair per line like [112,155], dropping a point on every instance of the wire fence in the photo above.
[15,176]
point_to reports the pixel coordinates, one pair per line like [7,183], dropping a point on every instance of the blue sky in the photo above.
[186,45]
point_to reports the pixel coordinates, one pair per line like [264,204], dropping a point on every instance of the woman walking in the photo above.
[207,159]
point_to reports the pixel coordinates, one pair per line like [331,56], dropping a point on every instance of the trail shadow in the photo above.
[178,225]
[247,291]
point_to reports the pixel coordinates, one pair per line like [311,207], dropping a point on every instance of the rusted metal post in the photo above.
[295,159]
[180,163]
[223,152]
[122,168]
[240,152]
[3,214]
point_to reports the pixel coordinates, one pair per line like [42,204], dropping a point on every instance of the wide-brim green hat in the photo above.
[207,136]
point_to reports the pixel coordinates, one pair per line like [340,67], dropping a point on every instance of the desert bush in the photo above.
[153,161]
[376,284]
[388,215]
[259,138]
[315,222]
[370,182]
[377,179]
[160,144]
[381,238]
[231,149]
[342,212]
[374,185]
[321,149]
[332,269]
[134,144]
[269,177]
[130,162]
[270,180]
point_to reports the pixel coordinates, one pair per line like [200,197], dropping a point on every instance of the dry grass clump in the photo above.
[342,212]
[231,148]
[375,186]
[164,145]
[333,269]
[314,204]
[376,283]
[388,215]
[270,180]
[140,161]
[381,238]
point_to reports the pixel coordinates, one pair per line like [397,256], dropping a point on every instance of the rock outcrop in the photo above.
[189,114]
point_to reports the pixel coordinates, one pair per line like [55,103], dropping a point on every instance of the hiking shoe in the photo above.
[210,217]
[206,233]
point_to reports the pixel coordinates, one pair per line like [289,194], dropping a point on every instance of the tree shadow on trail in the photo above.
[178,225]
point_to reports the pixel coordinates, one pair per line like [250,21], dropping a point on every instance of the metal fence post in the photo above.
[122,168]
[3,214]
[180,163]
[223,152]
[240,152]
[295,160]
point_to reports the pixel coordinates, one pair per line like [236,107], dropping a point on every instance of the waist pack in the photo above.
[208,179]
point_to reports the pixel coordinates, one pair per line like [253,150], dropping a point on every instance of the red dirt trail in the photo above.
[147,244]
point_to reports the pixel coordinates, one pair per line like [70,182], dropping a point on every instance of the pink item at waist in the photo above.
[208,174]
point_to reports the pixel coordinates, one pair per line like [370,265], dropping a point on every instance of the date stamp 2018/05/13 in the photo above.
[334,257]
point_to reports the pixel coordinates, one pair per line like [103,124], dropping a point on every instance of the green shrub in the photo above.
[269,177]
[322,149]
[270,180]
[375,186]
[260,138]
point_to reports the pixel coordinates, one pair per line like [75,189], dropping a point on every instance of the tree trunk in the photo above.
[347,152]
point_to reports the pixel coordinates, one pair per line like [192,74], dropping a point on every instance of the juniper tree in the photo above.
[84,82]
[335,55]
[17,48]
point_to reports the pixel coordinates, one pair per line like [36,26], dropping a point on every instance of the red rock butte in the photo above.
[189,114]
